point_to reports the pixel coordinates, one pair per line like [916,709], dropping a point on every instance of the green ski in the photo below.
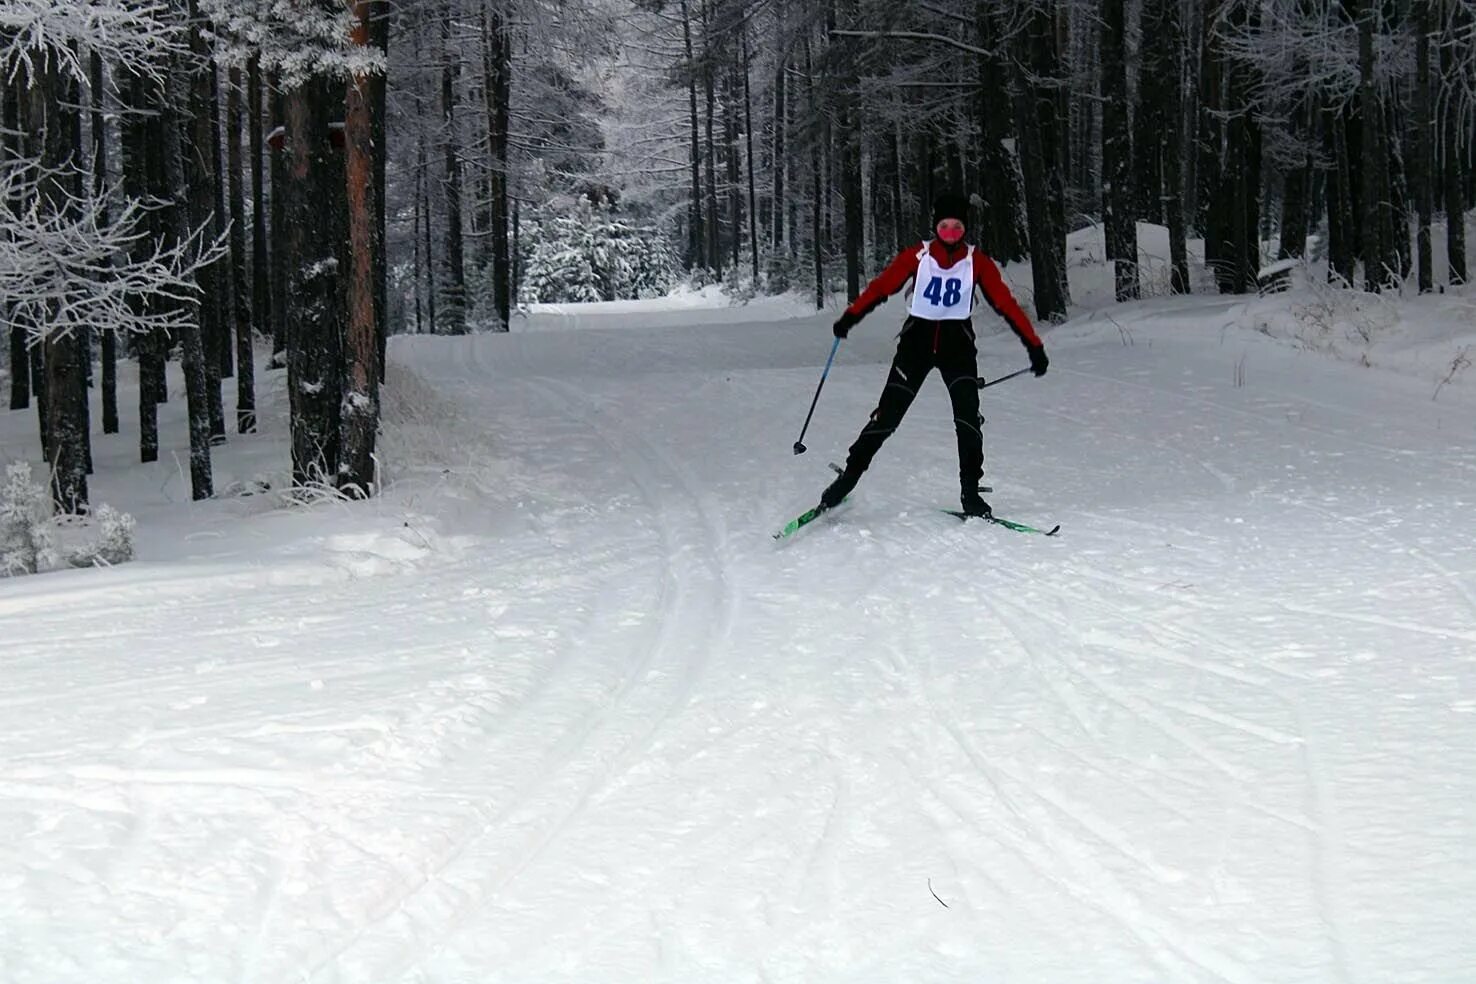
[802,520]
[1007,524]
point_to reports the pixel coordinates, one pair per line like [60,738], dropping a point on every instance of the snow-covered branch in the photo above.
[35,33]
[83,268]
[299,38]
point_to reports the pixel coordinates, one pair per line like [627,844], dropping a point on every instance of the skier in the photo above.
[937,333]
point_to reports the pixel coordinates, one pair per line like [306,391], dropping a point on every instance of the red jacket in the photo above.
[986,277]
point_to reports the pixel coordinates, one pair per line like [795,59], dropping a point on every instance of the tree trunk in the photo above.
[430,256]
[245,358]
[10,138]
[1454,194]
[713,249]
[781,126]
[1377,270]
[696,240]
[279,231]
[200,171]
[498,53]
[415,249]
[999,231]
[313,211]
[100,191]
[1171,139]
[1421,170]
[379,36]
[735,187]
[1342,226]
[1037,131]
[1119,219]
[226,286]
[815,245]
[1296,192]
[51,100]
[753,223]
[360,420]
[261,290]
[143,178]
[192,346]
[453,288]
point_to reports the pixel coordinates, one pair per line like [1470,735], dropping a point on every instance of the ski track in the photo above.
[633,739]
[683,618]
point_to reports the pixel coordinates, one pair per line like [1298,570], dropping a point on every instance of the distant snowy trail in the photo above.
[558,708]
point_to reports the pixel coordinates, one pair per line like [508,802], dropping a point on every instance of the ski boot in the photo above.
[974,505]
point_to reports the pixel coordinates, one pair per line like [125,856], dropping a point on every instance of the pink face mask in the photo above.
[950,231]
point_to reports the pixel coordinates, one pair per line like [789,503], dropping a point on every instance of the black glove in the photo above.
[1038,360]
[844,324]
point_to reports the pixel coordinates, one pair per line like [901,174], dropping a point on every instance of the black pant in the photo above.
[923,346]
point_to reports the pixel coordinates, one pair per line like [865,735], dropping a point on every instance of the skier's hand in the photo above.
[1038,360]
[844,324]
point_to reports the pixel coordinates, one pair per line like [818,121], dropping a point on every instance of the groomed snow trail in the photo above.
[557,708]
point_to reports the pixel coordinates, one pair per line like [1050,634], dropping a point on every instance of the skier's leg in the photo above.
[910,367]
[959,365]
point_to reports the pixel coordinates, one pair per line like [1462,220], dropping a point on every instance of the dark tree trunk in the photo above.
[713,248]
[453,296]
[226,297]
[1119,220]
[735,185]
[781,126]
[1399,208]
[753,223]
[1341,221]
[1296,192]
[1421,170]
[498,48]
[240,280]
[696,240]
[100,190]
[1037,132]
[379,36]
[143,179]
[279,230]
[20,369]
[313,200]
[1169,63]
[1151,120]
[1000,232]
[178,227]
[360,420]
[1378,270]
[51,120]
[1452,170]
[201,173]
[430,256]
[815,245]
[10,139]
[261,290]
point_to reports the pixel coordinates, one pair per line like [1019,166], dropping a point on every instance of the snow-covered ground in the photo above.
[557,708]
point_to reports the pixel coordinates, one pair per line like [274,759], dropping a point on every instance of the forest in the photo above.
[197,181]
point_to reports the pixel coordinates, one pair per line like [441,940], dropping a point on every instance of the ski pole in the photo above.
[799,446]
[996,382]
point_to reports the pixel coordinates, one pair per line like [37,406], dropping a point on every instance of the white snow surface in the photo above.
[556,707]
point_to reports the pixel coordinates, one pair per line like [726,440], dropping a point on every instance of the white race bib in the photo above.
[943,293]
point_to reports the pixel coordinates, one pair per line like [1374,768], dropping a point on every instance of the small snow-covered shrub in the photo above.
[25,517]
[28,530]
[114,543]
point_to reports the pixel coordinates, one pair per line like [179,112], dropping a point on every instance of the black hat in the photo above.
[950,205]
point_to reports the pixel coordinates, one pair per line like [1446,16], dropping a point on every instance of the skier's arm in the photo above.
[887,283]
[997,293]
